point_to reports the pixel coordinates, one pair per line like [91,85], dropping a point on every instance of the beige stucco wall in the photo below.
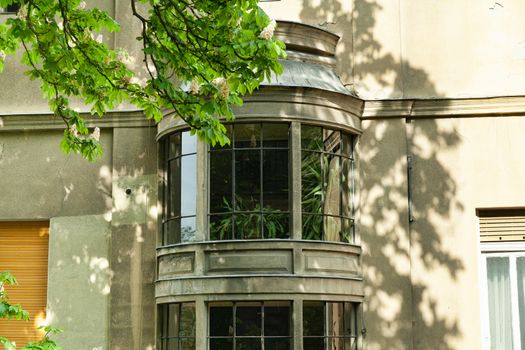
[402,49]
[102,240]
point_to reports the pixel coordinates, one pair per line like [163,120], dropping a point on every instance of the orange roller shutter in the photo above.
[23,252]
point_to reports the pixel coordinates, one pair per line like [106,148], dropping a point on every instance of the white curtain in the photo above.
[500,311]
[520,270]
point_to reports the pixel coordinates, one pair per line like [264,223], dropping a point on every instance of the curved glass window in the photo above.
[178,224]
[249,183]
[326,181]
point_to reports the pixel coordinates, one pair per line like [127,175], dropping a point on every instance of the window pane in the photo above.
[220,182]
[248,344]
[247,180]
[332,141]
[248,320]
[174,196]
[174,145]
[247,135]
[173,344]
[221,321]
[499,303]
[347,233]
[187,320]
[346,187]
[312,227]
[172,232]
[276,225]
[275,179]
[277,344]
[173,320]
[335,319]
[188,185]
[276,320]
[189,143]
[347,145]
[520,270]
[311,137]
[311,176]
[188,344]
[313,343]
[332,200]
[248,226]
[221,344]
[275,135]
[187,229]
[313,318]
[221,227]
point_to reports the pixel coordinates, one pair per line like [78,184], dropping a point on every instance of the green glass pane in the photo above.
[275,135]
[247,135]
[221,227]
[248,226]
[311,137]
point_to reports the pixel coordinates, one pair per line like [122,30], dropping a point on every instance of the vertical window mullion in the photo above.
[261,174]
[233,201]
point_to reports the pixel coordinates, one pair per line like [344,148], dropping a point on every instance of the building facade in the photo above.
[371,197]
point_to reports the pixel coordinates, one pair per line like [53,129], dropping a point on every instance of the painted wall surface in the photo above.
[40,181]
[80,280]
[102,240]
[423,49]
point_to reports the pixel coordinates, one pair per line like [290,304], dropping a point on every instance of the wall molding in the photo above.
[48,121]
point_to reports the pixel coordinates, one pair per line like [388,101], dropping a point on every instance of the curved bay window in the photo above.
[249,183]
[326,175]
[178,224]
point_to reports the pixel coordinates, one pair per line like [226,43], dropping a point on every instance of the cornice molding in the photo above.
[48,121]
[444,108]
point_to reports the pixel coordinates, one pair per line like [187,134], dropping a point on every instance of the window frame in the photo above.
[353,322]
[261,148]
[234,305]
[294,214]
[164,325]
[512,250]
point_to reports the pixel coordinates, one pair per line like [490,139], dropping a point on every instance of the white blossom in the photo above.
[82,5]
[60,25]
[194,87]
[99,39]
[96,134]
[21,14]
[222,85]
[267,32]
[2,55]
[73,130]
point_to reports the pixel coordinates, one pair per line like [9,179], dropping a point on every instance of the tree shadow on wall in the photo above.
[400,258]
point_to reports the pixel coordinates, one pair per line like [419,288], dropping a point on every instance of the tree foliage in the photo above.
[12,311]
[199,57]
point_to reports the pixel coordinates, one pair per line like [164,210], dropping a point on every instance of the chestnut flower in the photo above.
[267,32]
[82,5]
[2,55]
[194,87]
[222,85]
[73,130]
[96,134]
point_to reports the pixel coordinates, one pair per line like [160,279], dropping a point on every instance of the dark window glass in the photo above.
[331,324]
[177,326]
[250,181]
[326,178]
[180,192]
[258,325]
[13,8]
